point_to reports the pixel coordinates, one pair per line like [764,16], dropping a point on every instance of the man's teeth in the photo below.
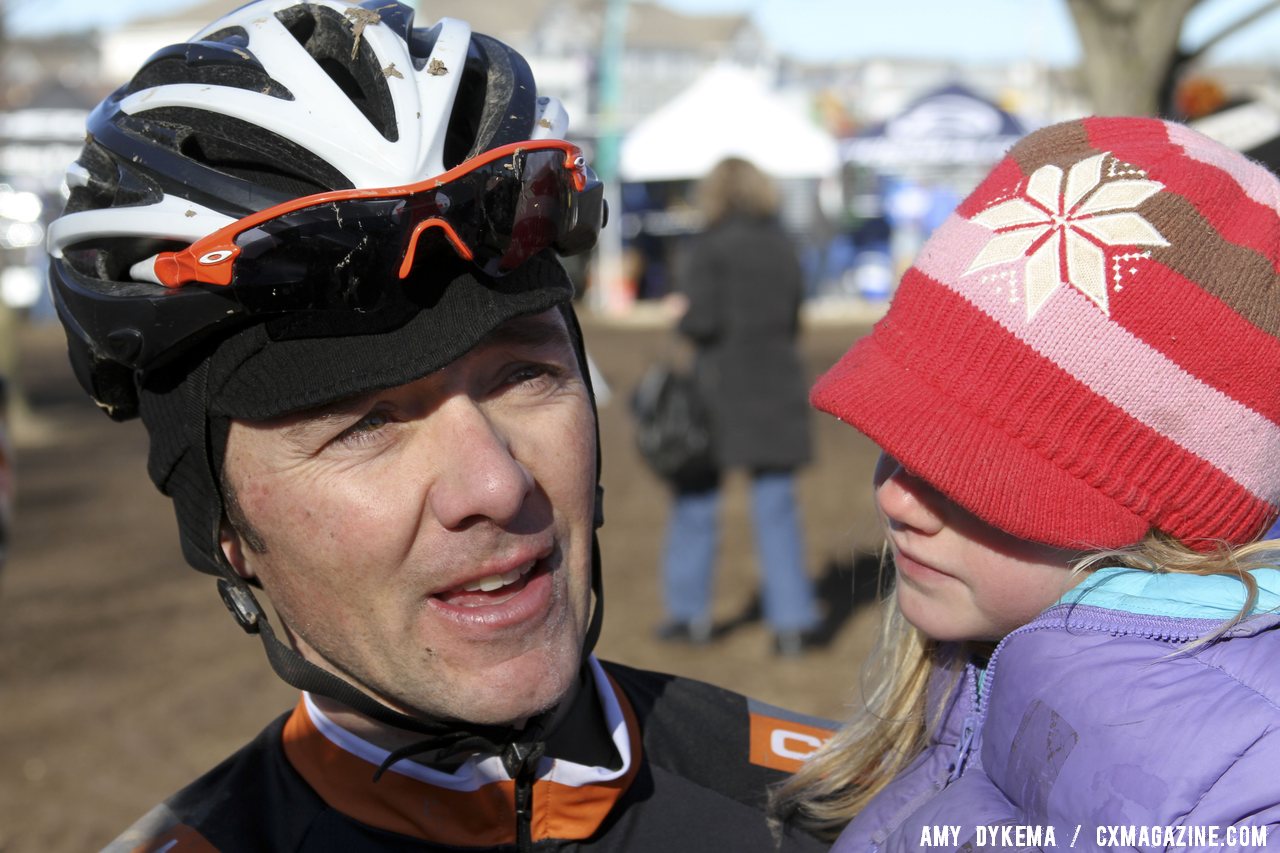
[493,582]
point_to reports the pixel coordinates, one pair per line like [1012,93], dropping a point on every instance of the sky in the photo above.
[963,30]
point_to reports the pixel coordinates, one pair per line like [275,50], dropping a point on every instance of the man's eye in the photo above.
[527,373]
[367,425]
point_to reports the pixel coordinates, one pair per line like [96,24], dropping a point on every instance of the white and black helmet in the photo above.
[278,100]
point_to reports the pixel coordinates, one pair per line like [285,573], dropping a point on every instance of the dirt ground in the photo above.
[123,677]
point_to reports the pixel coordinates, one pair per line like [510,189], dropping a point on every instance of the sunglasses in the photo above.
[496,210]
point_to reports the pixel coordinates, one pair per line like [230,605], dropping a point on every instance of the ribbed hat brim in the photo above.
[966,458]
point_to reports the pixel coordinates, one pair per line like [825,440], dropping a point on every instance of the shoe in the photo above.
[696,632]
[793,644]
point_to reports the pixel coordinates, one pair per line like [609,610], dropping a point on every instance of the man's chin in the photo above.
[508,693]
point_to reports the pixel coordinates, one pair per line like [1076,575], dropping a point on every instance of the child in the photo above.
[1077,392]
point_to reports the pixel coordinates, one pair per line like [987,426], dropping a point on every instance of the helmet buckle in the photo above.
[242,605]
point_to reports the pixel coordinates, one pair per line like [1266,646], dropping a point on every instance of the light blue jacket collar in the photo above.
[1177,595]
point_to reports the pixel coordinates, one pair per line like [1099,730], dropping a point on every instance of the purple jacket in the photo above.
[1085,721]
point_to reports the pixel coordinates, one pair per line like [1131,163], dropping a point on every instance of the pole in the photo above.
[610,293]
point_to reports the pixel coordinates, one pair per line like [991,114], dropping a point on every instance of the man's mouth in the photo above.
[490,590]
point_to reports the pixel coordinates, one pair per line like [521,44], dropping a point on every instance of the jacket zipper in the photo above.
[962,751]
[521,762]
[974,721]
[968,729]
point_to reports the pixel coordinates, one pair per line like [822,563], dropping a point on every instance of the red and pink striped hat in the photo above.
[1090,346]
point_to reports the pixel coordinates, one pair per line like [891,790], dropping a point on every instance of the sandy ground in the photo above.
[123,677]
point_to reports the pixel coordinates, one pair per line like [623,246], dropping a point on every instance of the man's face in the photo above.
[432,542]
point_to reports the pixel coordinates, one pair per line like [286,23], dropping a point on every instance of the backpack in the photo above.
[673,426]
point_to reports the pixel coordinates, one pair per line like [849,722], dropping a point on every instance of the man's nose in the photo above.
[905,500]
[478,477]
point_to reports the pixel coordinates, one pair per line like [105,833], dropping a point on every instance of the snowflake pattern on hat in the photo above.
[1063,225]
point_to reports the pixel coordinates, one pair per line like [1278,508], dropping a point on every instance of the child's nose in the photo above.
[905,500]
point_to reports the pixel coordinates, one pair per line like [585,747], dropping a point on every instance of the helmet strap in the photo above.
[445,738]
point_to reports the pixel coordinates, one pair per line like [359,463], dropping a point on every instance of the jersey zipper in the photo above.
[521,762]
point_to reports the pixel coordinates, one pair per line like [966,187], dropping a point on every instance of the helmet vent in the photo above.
[300,23]
[271,169]
[497,98]
[220,60]
[352,65]
[237,148]
[468,107]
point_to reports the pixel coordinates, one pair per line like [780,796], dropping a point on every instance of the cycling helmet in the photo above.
[276,101]
[306,201]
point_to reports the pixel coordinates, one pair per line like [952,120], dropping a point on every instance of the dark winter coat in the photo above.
[744,285]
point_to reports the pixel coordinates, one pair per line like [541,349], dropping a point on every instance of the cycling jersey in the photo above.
[681,766]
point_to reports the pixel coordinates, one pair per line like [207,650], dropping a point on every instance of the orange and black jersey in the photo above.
[688,771]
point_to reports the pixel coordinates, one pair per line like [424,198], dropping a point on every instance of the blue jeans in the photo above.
[693,537]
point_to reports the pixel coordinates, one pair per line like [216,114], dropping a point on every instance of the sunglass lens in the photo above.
[321,257]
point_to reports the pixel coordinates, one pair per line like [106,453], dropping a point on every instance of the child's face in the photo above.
[959,578]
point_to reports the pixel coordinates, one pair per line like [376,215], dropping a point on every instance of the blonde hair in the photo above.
[902,713]
[735,185]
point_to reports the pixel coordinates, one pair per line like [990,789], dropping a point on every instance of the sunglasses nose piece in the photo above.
[450,234]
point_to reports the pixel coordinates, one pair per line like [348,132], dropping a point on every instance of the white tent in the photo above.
[728,111]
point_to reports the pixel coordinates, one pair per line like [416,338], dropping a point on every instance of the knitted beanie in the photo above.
[1089,347]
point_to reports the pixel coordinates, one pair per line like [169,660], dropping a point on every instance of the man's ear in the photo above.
[233,548]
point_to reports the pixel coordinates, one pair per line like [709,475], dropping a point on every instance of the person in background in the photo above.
[315,251]
[740,294]
[1074,392]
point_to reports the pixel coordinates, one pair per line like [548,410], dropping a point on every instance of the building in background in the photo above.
[856,217]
